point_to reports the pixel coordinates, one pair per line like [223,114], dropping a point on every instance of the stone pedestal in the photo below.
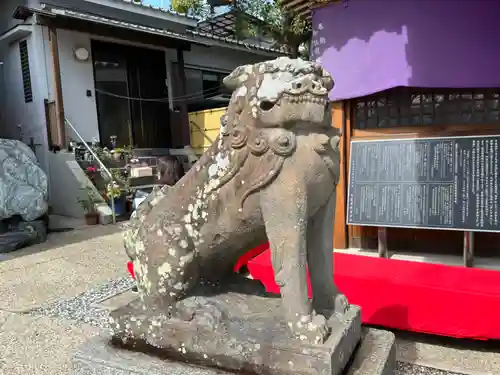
[236,327]
[374,356]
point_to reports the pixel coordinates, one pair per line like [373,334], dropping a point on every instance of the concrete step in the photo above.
[376,354]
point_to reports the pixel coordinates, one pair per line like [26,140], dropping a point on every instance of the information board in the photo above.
[434,183]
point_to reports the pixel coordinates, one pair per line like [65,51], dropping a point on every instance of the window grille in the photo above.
[25,69]
[413,107]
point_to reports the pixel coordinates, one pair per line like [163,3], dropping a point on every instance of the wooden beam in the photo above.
[292,4]
[358,236]
[383,250]
[302,9]
[340,228]
[427,131]
[58,94]
[186,134]
[469,249]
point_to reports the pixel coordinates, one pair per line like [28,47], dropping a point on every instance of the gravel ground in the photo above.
[82,308]
[408,369]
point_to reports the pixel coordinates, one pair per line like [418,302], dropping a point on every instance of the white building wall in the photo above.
[77,77]
[26,120]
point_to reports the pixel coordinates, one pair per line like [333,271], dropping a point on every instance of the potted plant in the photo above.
[114,192]
[86,200]
[92,173]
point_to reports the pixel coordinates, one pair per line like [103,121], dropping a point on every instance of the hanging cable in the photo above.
[179,98]
[191,96]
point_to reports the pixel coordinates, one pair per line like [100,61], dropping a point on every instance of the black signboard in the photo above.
[433,183]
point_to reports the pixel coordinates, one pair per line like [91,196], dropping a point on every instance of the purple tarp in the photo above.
[373,45]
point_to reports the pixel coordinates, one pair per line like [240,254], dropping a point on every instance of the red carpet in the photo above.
[421,297]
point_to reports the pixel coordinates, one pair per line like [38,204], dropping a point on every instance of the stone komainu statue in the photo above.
[271,174]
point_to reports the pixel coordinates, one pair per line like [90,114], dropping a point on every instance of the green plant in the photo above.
[113,191]
[195,8]
[104,155]
[122,150]
[120,178]
[87,199]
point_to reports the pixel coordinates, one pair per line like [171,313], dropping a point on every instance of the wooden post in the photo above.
[186,136]
[339,121]
[58,94]
[168,67]
[383,251]
[469,249]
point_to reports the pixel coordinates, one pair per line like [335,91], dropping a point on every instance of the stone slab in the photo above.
[117,301]
[374,356]
[236,329]
[105,213]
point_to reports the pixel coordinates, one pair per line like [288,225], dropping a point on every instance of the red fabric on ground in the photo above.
[250,255]
[130,268]
[421,297]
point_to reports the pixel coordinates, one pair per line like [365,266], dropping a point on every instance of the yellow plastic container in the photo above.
[209,122]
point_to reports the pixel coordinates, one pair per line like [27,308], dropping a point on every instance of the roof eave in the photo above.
[216,41]
[54,14]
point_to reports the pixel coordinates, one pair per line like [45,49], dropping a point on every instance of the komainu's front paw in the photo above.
[337,305]
[312,329]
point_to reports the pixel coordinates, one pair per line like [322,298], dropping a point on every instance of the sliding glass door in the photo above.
[131,95]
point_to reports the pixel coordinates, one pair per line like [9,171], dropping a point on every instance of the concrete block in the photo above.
[375,356]
[141,172]
[105,213]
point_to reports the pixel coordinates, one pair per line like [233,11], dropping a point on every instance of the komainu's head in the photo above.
[280,93]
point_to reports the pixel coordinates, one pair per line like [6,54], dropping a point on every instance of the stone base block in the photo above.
[237,329]
[374,356]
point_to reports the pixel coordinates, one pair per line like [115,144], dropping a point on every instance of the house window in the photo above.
[25,69]
[200,84]
[211,83]
[413,107]
[194,84]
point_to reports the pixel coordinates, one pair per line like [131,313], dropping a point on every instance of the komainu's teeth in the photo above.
[305,98]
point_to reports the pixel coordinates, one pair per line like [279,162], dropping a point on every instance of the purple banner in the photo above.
[373,45]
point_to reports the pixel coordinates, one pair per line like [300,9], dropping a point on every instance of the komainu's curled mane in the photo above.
[270,174]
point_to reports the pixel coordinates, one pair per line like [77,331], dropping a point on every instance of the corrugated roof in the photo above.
[114,22]
[223,24]
[227,40]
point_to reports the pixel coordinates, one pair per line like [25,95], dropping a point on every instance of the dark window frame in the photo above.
[211,93]
[404,106]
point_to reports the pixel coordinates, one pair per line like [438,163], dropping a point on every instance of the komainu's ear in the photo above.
[238,77]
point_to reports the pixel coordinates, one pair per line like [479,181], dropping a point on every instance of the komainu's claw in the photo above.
[312,329]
